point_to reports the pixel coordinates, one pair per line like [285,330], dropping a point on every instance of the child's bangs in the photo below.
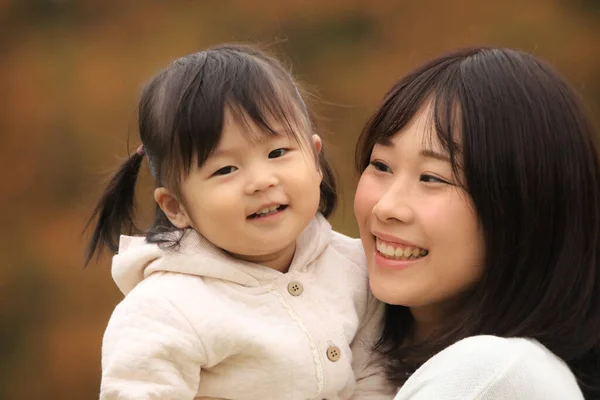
[272,109]
[199,95]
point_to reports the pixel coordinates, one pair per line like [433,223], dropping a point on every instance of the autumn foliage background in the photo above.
[71,71]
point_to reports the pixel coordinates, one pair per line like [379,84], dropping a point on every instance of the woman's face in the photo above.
[418,227]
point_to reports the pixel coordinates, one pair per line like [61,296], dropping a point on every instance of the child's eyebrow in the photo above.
[220,152]
[258,140]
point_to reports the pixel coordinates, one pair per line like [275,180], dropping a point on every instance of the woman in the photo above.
[479,211]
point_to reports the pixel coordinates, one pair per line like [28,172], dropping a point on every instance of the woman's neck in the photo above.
[431,318]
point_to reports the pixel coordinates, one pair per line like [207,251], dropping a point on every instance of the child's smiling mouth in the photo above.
[266,211]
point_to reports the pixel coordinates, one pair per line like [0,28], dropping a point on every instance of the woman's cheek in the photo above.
[365,198]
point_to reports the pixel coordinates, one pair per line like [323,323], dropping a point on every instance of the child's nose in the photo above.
[261,180]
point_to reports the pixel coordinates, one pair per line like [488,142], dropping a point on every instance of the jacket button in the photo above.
[295,288]
[333,353]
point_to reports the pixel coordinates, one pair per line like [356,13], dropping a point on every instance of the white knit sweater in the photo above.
[196,323]
[492,368]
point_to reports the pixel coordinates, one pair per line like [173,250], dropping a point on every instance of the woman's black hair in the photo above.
[519,136]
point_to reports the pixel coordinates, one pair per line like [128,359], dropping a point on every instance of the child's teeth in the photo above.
[267,210]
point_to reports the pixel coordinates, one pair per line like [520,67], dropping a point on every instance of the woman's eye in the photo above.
[379,166]
[431,179]
[225,170]
[277,153]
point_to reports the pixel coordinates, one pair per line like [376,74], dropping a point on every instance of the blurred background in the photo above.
[71,72]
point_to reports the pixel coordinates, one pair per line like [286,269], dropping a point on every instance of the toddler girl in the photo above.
[240,289]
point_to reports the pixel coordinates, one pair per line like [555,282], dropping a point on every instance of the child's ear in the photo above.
[318,145]
[172,208]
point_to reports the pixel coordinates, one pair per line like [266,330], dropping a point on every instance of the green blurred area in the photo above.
[71,72]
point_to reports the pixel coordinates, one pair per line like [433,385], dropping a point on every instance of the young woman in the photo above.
[479,212]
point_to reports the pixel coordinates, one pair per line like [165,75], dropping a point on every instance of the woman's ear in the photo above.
[172,207]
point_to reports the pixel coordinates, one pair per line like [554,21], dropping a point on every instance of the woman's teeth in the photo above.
[401,252]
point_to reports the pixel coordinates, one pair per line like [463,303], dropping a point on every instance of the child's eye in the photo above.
[225,170]
[277,153]
[431,179]
[379,166]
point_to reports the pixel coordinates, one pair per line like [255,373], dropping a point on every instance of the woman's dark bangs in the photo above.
[445,114]
[399,107]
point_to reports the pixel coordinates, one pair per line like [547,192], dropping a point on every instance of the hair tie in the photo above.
[140,150]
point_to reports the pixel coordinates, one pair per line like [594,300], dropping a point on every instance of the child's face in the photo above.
[254,198]
[409,203]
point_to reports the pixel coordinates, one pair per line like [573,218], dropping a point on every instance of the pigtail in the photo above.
[115,209]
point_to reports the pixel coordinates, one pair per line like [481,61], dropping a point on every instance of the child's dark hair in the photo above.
[181,117]
[519,134]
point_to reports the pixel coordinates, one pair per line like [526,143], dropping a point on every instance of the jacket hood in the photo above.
[138,259]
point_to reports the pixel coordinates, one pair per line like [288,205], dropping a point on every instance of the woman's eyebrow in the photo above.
[385,142]
[434,154]
[427,152]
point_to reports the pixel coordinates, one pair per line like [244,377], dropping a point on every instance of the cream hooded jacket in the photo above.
[196,323]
